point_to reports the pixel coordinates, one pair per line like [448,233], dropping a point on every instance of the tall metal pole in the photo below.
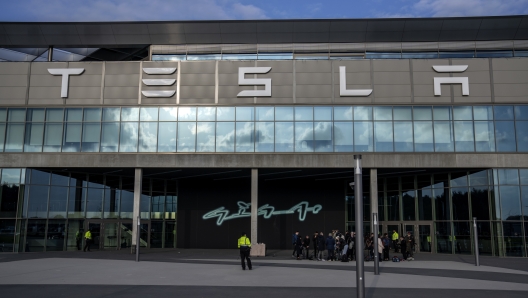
[358,195]
[137,238]
[475,238]
[50,53]
[376,248]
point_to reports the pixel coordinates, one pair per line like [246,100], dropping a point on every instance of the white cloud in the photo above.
[248,12]
[452,8]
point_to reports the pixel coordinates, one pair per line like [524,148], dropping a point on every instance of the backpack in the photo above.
[395,259]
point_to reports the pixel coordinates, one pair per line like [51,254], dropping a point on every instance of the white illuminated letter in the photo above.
[450,80]
[242,81]
[65,73]
[342,86]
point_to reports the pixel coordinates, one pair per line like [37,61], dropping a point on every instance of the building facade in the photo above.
[207,129]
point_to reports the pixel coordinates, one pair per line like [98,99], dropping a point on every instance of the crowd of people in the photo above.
[342,247]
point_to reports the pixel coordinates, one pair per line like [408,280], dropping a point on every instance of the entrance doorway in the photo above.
[421,231]
[115,234]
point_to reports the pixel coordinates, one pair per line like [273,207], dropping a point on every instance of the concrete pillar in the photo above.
[50,54]
[373,197]
[138,179]
[254,205]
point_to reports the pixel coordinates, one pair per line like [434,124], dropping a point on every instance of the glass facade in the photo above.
[266,129]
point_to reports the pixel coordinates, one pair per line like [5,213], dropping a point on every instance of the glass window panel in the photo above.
[72,137]
[442,113]
[91,136]
[94,202]
[225,136]
[14,138]
[128,139]
[111,200]
[16,115]
[495,203]
[275,56]
[167,136]
[423,136]
[513,239]
[383,137]
[508,176]
[479,202]
[462,113]
[57,202]
[109,137]
[54,115]
[204,57]
[363,136]
[168,57]
[343,113]
[483,113]
[464,138]
[522,135]
[459,196]
[74,115]
[484,136]
[52,137]
[9,195]
[505,136]
[10,176]
[510,198]
[283,113]
[3,115]
[76,201]
[148,136]
[402,113]
[524,202]
[422,113]
[148,114]
[225,114]
[393,205]
[35,236]
[343,137]
[245,114]
[443,136]
[323,137]
[461,54]
[34,137]
[382,113]
[60,179]
[206,113]
[403,137]
[362,113]
[503,112]
[40,177]
[239,56]
[323,113]
[168,114]
[205,137]
[459,179]
[304,137]
[303,113]
[478,178]
[264,136]
[38,201]
[127,204]
[111,114]
[35,115]
[265,113]
[2,136]
[408,204]
[441,198]
[521,112]
[523,174]
[283,136]
[186,136]
[245,136]
[425,207]
[129,114]
[92,114]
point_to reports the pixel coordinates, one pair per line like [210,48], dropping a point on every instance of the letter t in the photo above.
[65,72]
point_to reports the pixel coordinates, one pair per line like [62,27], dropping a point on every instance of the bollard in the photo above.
[137,239]
[475,238]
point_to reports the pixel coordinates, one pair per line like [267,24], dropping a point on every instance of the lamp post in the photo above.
[475,237]
[358,195]
[375,240]
[137,238]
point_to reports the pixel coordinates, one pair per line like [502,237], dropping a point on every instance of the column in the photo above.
[373,197]
[138,179]
[254,205]
[50,54]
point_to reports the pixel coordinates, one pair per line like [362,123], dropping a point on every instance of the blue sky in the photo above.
[154,10]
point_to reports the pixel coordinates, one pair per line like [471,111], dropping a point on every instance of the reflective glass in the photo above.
[38,201]
[94,202]
[503,112]
[10,197]
[148,114]
[275,56]
[494,54]
[168,57]
[422,113]
[468,54]
[323,137]
[10,176]
[14,139]
[264,136]
[323,113]
[343,137]
[245,136]
[363,136]
[3,115]
[420,55]
[508,176]
[225,114]
[34,137]
[521,112]
[403,137]
[343,113]
[35,236]
[111,114]
[283,113]
[402,113]
[304,137]
[303,113]
[442,113]
[52,137]
[265,113]
[128,139]
[505,136]
[408,204]
[464,138]
[245,114]
[205,137]
[76,199]
[484,136]
[239,56]
[524,202]
[441,198]
[168,113]
[513,243]
[111,200]
[479,202]
[205,57]
[186,136]
[383,137]
[60,179]
[425,207]
[72,137]
[423,136]
[225,136]
[459,196]
[443,136]
[483,113]
[283,136]
[393,205]
[148,136]
[510,199]
[206,113]
[382,113]
[91,137]
[57,202]
[167,137]
[92,114]
[35,115]
[388,55]
[459,179]
[129,114]
[16,115]
[523,174]
[2,136]
[362,113]
[478,178]
[522,135]
[109,137]
[462,113]
[74,115]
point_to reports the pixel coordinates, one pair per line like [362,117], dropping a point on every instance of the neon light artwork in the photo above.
[221,214]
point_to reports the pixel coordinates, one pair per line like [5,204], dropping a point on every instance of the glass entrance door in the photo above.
[110,234]
[421,231]
[95,229]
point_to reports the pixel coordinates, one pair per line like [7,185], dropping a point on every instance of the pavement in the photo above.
[217,273]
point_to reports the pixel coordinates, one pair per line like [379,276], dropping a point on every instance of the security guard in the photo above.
[395,238]
[244,244]
[88,239]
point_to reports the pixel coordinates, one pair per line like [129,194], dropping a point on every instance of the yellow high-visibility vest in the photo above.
[395,236]
[88,235]
[244,241]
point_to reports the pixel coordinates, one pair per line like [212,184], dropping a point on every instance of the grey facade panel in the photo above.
[423,25]
[42,68]
[231,67]
[232,91]
[303,78]
[500,23]
[386,25]
[311,91]
[158,101]
[94,39]
[281,91]
[63,39]
[45,92]
[277,66]
[454,35]
[13,80]
[132,39]
[206,67]
[203,38]
[352,36]
[511,90]
[13,93]
[392,78]
[122,68]
[234,27]
[130,28]
[166,28]
[131,80]
[510,77]
[274,100]
[383,36]
[22,29]
[313,66]
[392,91]
[203,92]
[162,39]
[390,65]
[409,36]
[313,100]
[236,101]
[27,40]
[58,29]
[504,34]
[274,37]
[311,37]
[85,93]
[121,92]
[197,101]
[510,64]
[275,27]
[348,26]
[94,29]
[197,80]
[244,38]
[14,68]
[201,28]
[121,101]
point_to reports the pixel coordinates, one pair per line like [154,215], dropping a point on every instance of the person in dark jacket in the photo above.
[330,247]
[403,247]
[314,241]
[306,247]
[295,236]
[321,247]
[299,247]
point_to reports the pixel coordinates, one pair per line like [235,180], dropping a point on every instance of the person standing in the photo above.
[409,245]
[321,247]
[403,248]
[386,246]
[299,247]
[330,247]
[244,244]
[306,246]
[78,239]
[395,238]
[314,239]
[381,248]
[294,242]
[88,240]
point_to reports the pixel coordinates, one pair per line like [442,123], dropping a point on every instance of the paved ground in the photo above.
[217,273]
